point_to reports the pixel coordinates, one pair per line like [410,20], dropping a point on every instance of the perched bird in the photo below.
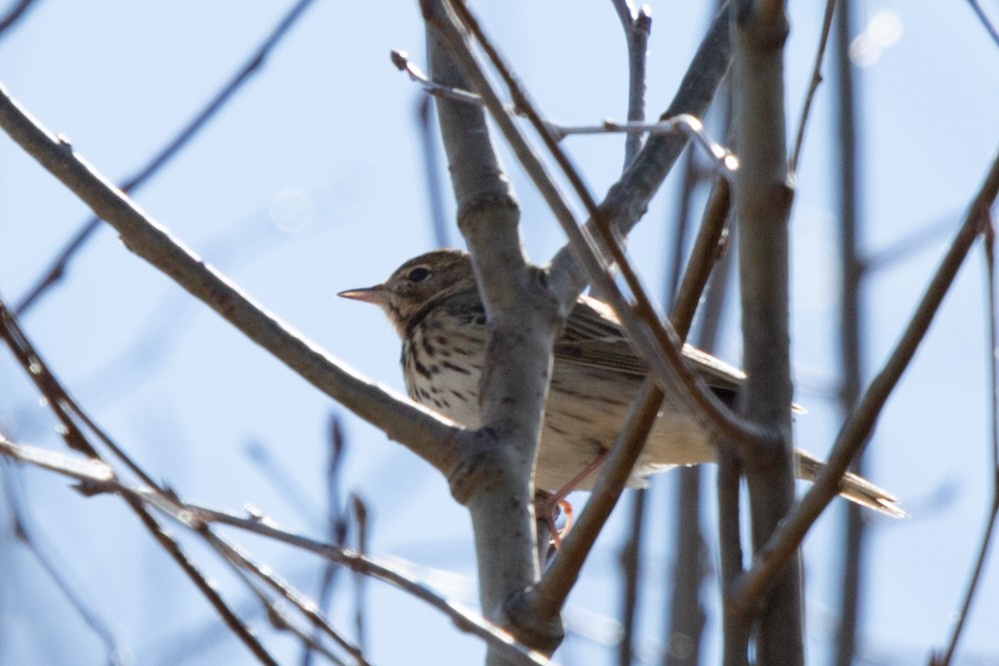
[434,304]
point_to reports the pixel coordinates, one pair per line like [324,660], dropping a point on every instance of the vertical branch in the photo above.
[735,625]
[432,171]
[845,138]
[763,198]
[631,565]
[637,24]
[495,479]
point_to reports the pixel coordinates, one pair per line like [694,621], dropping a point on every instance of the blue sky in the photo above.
[311,181]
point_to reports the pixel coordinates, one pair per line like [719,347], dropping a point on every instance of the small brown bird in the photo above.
[434,304]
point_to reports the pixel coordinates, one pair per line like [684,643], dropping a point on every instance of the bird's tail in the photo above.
[852,487]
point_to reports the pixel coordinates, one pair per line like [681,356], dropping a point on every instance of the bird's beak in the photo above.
[377,295]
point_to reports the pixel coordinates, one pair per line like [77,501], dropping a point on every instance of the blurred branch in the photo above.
[912,243]
[44,553]
[16,13]
[771,559]
[432,172]
[989,245]
[425,432]
[67,411]
[631,573]
[813,85]
[685,612]
[245,565]
[984,20]
[845,138]
[336,520]
[359,509]
[57,269]
[97,477]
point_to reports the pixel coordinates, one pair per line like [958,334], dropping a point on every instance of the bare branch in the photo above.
[253,64]
[523,322]
[813,85]
[243,562]
[984,20]
[97,477]
[16,13]
[425,432]
[771,559]
[23,528]
[637,25]
[763,197]
[654,339]
[988,244]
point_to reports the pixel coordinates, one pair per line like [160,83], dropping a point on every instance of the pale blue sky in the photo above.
[327,129]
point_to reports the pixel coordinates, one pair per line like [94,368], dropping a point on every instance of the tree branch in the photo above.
[771,559]
[763,197]
[423,431]
[57,269]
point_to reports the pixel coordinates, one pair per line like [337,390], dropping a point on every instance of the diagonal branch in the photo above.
[988,244]
[253,64]
[429,435]
[853,436]
[97,476]
[653,338]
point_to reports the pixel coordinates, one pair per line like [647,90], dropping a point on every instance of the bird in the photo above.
[433,303]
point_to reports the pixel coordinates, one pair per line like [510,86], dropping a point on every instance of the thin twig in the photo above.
[637,25]
[988,245]
[97,477]
[913,242]
[23,527]
[205,586]
[722,158]
[68,411]
[771,559]
[813,85]
[244,562]
[432,172]
[402,62]
[54,273]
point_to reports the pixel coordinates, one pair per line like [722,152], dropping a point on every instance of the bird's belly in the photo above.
[585,410]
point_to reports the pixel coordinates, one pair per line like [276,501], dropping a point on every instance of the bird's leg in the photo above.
[547,507]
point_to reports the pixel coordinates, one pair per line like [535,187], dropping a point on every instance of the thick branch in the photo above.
[523,322]
[852,438]
[763,199]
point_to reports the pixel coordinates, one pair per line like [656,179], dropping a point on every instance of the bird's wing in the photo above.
[593,336]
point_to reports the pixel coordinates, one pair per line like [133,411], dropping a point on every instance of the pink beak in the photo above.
[377,295]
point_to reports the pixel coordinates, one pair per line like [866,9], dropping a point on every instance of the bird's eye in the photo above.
[418,274]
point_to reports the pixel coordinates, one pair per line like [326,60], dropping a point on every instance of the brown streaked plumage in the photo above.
[434,304]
